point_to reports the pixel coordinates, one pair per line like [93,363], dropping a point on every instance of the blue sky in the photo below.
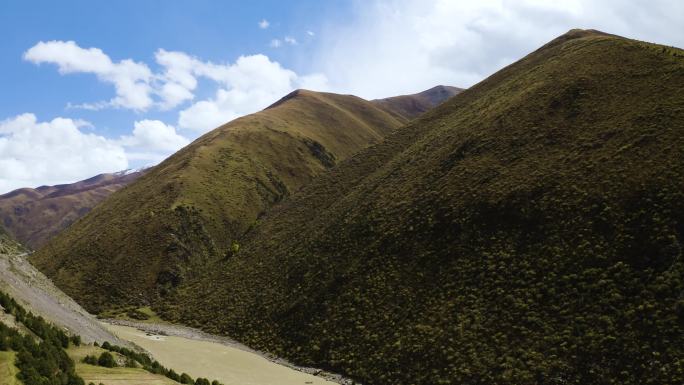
[218,31]
[91,87]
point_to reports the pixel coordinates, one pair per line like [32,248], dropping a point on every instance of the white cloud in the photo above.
[250,84]
[33,153]
[152,141]
[399,46]
[178,80]
[277,43]
[263,24]
[310,33]
[130,79]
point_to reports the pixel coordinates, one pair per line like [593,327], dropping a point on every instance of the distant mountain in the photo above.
[190,209]
[33,216]
[527,231]
[412,106]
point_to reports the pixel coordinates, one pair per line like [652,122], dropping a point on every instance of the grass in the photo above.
[120,376]
[133,313]
[8,372]
[528,231]
[112,376]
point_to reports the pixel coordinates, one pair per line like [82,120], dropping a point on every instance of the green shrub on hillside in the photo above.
[529,231]
[106,360]
[40,361]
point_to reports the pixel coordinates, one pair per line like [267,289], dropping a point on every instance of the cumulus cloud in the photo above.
[250,84]
[152,141]
[178,79]
[34,153]
[398,46]
[130,79]
[263,24]
[59,151]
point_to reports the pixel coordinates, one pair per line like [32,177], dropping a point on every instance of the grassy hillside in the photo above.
[33,216]
[411,106]
[8,245]
[528,231]
[8,372]
[189,210]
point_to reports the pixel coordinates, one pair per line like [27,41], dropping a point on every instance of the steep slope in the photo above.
[35,292]
[33,216]
[188,210]
[528,231]
[7,244]
[411,106]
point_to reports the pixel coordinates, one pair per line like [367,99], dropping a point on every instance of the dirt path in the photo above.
[36,293]
[193,350]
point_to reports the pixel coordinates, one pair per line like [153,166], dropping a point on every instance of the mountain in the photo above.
[411,106]
[527,231]
[190,209]
[33,216]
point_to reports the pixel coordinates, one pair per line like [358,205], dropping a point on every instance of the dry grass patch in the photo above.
[112,376]
[8,372]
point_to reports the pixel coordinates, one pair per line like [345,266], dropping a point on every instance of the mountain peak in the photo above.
[410,106]
[300,92]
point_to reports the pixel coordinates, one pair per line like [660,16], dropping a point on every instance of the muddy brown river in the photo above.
[213,360]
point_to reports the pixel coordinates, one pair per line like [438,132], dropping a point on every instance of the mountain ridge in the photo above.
[195,205]
[34,215]
[412,106]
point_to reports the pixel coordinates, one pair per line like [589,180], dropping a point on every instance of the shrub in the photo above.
[90,360]
[186,379]
[107,360]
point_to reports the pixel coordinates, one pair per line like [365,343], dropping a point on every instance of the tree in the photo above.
[90,360]
[186,379]
[107,360]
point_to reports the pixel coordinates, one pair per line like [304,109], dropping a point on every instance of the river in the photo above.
[214,360]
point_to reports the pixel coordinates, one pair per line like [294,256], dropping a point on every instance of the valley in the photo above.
[184,349]
[527,229]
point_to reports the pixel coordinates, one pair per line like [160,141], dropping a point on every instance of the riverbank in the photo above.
[194,351]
